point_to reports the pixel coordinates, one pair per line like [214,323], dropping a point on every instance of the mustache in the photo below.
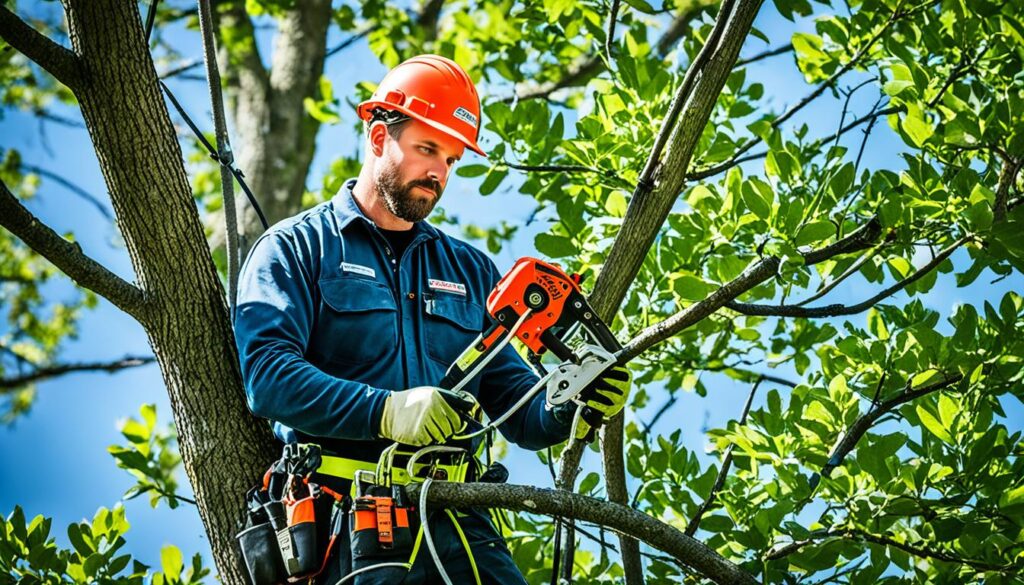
[431,184]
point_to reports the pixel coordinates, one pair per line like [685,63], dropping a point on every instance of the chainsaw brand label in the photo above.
[551,285]
[452,287]
[364,270]
[464,115]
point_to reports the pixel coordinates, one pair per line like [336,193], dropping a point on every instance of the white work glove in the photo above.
[418,417]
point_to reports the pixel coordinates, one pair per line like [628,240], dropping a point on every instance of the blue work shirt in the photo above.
[328,322]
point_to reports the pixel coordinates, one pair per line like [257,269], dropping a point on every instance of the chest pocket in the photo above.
[357,323]
[451,324]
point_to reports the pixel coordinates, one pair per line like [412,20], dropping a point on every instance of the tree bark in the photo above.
[222,446]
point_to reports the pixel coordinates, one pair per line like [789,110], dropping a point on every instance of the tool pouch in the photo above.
[299,545]
[258,542]
[382,532]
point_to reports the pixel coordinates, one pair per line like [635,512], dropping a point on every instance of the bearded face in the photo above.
[411,201]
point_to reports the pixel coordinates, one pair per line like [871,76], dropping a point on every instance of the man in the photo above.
[349,314]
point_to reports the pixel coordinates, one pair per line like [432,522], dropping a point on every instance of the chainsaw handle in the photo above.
[463,402]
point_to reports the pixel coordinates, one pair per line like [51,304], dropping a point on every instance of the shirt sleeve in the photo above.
[273,320]
[503,382]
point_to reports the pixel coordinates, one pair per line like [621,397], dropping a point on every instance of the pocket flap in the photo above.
[465,314]
[351,295]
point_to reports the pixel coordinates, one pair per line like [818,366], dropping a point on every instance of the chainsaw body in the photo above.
[542,306]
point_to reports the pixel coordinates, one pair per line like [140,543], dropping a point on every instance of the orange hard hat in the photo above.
[435,91]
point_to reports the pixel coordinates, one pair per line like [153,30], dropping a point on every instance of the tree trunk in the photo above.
[222,446]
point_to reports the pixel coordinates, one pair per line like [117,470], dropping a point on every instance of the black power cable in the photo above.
[225,159]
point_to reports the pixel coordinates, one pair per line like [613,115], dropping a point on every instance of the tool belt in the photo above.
[440,468]
[293,523]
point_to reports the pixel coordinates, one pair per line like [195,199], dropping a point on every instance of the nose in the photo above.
[438,171]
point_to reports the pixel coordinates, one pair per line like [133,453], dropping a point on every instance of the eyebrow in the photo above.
[432,144]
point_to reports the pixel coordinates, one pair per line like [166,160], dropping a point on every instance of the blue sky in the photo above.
[55,461]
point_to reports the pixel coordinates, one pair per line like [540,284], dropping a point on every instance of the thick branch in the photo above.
[623,519]
[681,25]
[426,20]
[694,524]
[55,59]
[68,257]
[10,383]
[841,310]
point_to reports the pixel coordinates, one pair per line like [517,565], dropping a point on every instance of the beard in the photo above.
[399,197]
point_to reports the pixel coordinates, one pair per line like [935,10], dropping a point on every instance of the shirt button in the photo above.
[393,261]
[387,251]
[411,296]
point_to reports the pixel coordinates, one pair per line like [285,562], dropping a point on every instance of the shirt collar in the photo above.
[346,209]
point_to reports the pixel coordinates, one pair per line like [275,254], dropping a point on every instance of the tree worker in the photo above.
[350,312]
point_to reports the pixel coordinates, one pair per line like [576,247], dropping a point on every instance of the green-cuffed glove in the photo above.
[603,399]
[419,417]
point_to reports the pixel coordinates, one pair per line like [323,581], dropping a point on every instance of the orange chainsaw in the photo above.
[544,308]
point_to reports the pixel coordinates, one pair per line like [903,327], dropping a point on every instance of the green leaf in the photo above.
[93,564]
[948,409]
[554,246]
[876,324]
[896,86]
[815,231]
[170,561]
[642,6]
[135,432]
[148,412]
[1012,501]
[615,205]
[493,179]
[933,425]
[589,483]
[916,127]
[470,171]
[690,287]
[755,202]
[78,541]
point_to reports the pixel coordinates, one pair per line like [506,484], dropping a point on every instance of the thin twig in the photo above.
[609,40]
[89,197]
[848,440]
[694,523]
[350,41]
[761,56]
[43,373]
[841,310]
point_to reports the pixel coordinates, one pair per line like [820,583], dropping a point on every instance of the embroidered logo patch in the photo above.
[364,270]
[452,287]
[464,115]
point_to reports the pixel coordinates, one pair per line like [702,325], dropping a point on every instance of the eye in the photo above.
[426,150]
[452,161]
